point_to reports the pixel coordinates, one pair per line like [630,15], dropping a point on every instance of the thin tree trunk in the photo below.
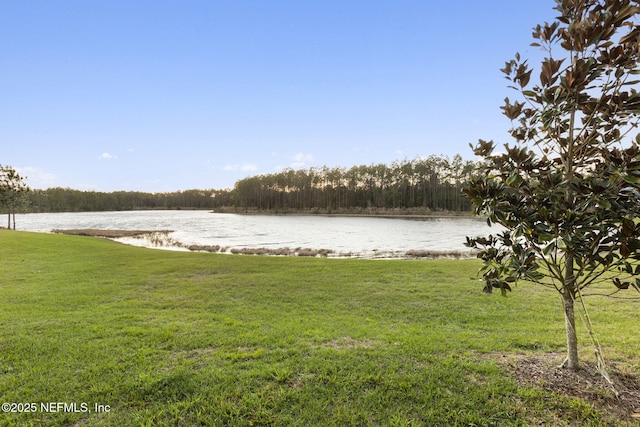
[569,289]
[570,325]
[568,298]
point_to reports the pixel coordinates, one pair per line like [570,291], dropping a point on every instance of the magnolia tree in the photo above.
[567,191]
[12,190]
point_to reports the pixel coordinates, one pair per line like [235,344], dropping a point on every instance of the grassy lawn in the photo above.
[187,339]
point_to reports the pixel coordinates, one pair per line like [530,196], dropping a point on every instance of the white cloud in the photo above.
[301,157]
[88,187]
[245,167]
[37,178]
[301,160]
[107,156]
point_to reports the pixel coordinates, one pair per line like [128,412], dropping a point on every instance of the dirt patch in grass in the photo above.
[348,343]
[587,383]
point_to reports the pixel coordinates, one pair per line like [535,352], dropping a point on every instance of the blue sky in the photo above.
[158,95]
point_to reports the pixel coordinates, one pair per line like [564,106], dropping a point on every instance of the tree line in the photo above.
[69,200]
[423,184]
[432,183]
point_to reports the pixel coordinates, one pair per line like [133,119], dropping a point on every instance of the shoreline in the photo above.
[108,234]
[411,214]
[160,239]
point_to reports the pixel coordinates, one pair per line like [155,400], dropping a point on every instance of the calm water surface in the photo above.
[354,236]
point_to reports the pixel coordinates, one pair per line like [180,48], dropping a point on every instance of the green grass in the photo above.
[184,339]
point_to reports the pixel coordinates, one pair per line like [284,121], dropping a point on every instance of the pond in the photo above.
[341,236]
